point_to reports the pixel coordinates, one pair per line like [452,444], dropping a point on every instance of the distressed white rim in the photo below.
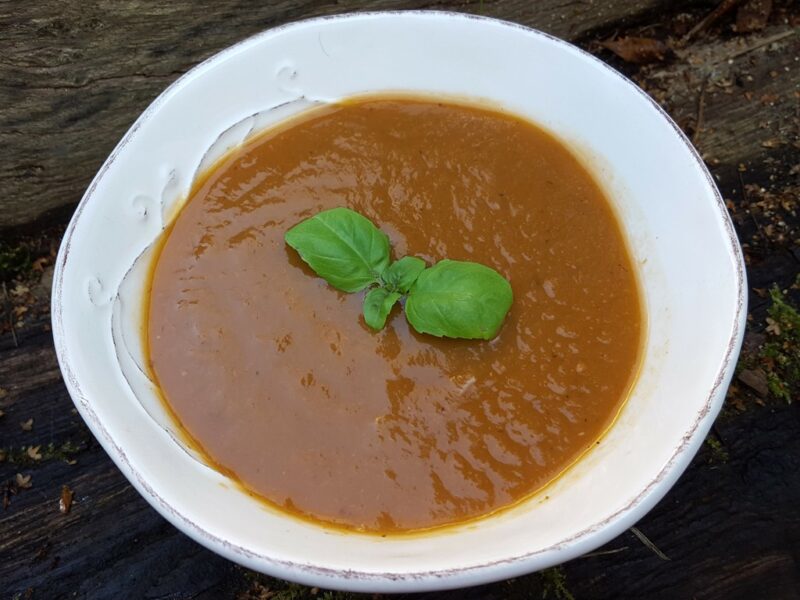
[310,574]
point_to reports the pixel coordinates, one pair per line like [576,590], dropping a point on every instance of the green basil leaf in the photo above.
[459,300]
[377,305]
[402,274]
[343,247]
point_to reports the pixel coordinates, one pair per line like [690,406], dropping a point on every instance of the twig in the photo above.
[765,42]
[604,552]
[8,314]
[643,538]
[710,18]
[745,198]
[701,109]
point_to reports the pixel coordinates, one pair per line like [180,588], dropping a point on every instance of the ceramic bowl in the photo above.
[688,260]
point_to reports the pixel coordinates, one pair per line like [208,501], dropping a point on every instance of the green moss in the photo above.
[14,261]
[548,584]
[554,584]
[20,456]
[780,354]
[718,451]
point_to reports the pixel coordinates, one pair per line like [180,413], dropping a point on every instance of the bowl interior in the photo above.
[679,234]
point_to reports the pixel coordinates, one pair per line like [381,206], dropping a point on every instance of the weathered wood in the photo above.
[75,75]
[72,79]
[730,527]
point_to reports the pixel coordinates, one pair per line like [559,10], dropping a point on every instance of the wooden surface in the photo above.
[74,76]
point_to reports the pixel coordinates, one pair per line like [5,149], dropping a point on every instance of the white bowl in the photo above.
[681,238]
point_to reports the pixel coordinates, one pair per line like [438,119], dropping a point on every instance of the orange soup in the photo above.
[277,380]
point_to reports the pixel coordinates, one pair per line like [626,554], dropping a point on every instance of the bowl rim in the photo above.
[310,574]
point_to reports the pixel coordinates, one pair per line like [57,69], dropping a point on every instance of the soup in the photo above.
[278,381]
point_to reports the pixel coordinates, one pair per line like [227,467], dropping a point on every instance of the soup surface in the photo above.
[278,380]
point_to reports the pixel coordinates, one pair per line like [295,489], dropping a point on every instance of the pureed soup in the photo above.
[278,381]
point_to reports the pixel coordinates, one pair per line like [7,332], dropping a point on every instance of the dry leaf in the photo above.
[27,425]
[2,413]
[3,392]
[23,481]
[20,310]
[773,326]
[39,264]
[753,15]
[33,452]
[20,289]
[2,455]
[65,503]
[638,50]
[738,404]
[756,380]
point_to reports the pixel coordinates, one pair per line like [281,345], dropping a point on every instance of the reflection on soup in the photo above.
[278,381]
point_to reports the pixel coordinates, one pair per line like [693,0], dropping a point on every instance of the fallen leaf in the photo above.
[33,452]
[3,392]
[753,15]
[27,425]
[20,310]
[2,413]
[2,455]
[756,380]
[23,481]
[773,326]
[65,502]
[39,264]
[638,50]
[738,404]
[20,289]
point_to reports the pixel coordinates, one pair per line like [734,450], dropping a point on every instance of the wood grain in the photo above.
[730,526]
[75,75]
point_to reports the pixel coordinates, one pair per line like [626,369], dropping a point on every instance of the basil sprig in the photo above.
[453,298]
[343,247]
